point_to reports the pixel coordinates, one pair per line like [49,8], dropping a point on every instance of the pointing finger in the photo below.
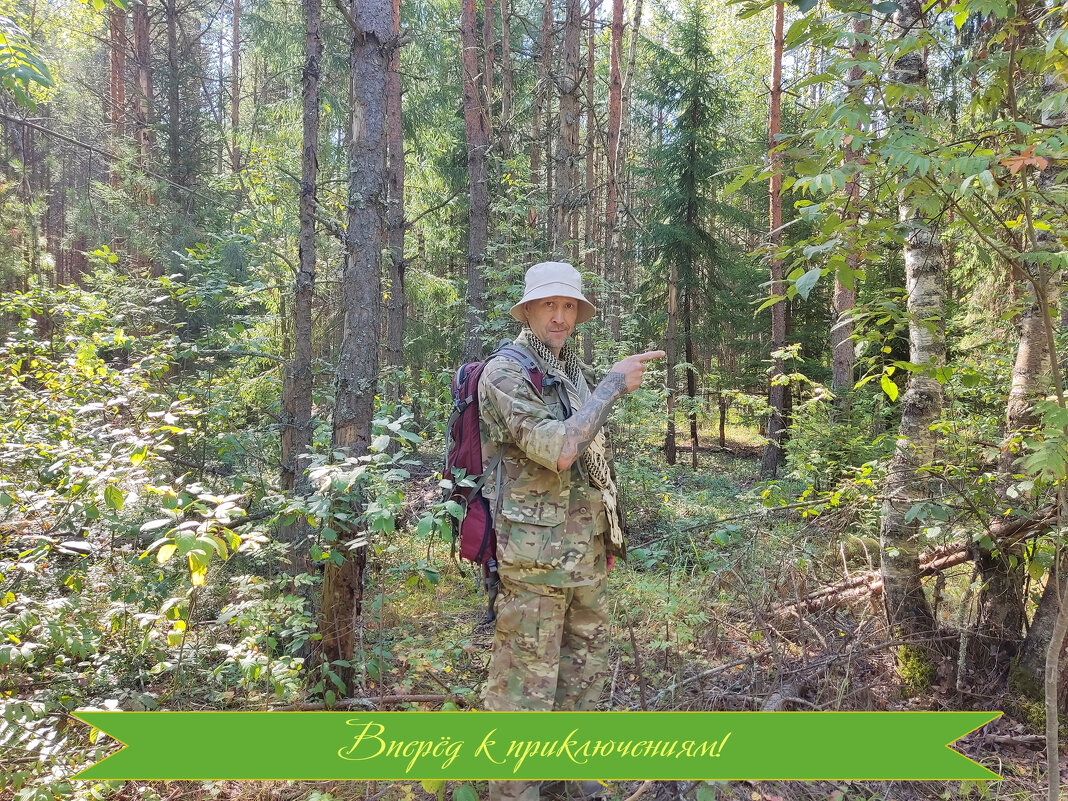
[650,355]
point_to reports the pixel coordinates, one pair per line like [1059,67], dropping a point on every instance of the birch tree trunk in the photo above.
[297,425]
[365,236]
[476,125]
[845,293]
[1039,666]
[769,464]
[907,609]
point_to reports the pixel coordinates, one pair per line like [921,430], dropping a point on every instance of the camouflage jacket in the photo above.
[551,525]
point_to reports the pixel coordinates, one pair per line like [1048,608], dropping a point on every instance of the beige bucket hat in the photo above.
[551,278]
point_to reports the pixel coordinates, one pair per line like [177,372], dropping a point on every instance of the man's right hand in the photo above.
[633,367]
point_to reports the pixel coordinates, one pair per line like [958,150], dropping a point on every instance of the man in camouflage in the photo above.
[554,508]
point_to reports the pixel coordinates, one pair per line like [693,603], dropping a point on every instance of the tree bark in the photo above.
[769,465]
[907,609]
[624,255]
[671,346]
[117,41]
[235,89]
[174,150]
[489,49]
[691,371]
[395,305]
[591,188]
[476,126]
[541,95]
[365,236]
[1036,658]
[615,108]
[569,84]
[843,356]
[297,427]
[507,81]
[143,113]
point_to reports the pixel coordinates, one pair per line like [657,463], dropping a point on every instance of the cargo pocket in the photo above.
[526,545]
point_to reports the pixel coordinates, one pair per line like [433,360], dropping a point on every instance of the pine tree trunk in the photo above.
[365,236]
[297,431]
[539,160]
[591,188]
[906,484]
[489,49]
[615,108]
[395,306]
[476,126]
[769,465]
[623,257]
[568,83]
[691,372]
[235,88]
[507,81]
[143,115]
[671,346]
[173,105]
[117,41]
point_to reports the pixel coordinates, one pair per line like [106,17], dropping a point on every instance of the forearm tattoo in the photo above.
[581,428]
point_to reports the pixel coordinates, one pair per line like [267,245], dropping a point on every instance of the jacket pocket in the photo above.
[537,497]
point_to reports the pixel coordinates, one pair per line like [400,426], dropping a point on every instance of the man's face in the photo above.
[552,320]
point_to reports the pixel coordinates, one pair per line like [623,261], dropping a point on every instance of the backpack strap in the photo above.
[526,361]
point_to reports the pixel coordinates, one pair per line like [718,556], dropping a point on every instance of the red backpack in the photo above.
[463,451]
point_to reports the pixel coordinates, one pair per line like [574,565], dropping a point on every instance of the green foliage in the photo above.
[21,64]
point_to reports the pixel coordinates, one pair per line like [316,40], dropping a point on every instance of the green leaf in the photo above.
[464,793]
[454,509]
[889,387]
[807,281]
[426,525]
[138,455]
[113,497]
[380,443]
[433,785]
[706,792]
[885,7]
[943,374]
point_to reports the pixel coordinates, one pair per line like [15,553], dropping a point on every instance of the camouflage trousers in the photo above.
[549,653]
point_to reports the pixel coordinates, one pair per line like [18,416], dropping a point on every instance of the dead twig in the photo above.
[641,790]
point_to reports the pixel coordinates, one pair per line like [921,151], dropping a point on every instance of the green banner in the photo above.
[537,745]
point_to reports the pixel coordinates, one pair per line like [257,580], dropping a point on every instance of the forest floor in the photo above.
[694,627]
